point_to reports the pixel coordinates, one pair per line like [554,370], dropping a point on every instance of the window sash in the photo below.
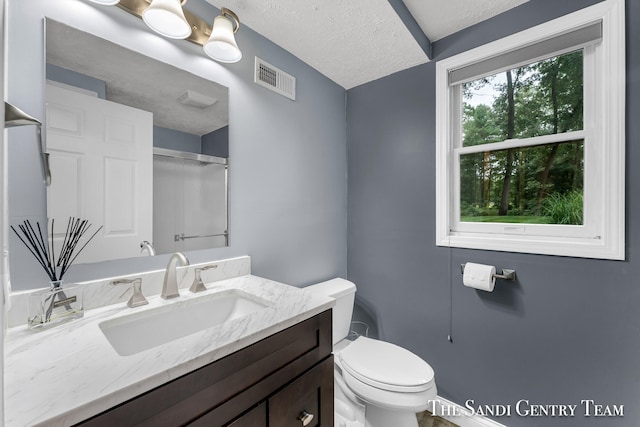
[522,142]
[586,229]
[589,229]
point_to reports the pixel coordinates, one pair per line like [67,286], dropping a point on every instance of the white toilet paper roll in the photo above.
[479,276]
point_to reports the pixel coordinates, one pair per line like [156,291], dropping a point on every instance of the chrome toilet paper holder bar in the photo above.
[506,273]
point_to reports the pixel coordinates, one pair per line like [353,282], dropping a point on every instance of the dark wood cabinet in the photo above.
[275,382]
[256,417]
[310,396]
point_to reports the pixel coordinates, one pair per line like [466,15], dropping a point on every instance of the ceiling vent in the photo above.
[275,79]
[196,99]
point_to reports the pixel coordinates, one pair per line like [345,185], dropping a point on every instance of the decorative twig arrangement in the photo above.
[44,251]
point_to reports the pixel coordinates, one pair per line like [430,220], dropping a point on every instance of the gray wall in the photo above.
[288,175]
[216,143]
[80,80]
[567,330]
[176,140]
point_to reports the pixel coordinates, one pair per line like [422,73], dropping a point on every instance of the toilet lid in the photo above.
[386,366]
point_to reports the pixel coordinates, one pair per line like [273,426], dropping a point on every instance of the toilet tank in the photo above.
[344,293]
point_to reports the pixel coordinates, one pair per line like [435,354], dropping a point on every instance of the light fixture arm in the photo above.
[228,13]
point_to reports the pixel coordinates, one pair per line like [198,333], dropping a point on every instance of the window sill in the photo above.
[571,247]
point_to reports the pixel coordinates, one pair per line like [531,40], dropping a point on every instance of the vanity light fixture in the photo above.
[166,18]
[170,19]
[221,45]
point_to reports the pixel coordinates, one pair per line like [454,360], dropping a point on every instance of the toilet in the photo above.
[392,383]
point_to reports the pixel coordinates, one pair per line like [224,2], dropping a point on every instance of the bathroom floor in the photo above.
[425,419]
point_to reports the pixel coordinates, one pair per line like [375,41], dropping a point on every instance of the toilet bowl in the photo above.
[392,383]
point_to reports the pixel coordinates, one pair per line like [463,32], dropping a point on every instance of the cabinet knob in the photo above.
[305,418]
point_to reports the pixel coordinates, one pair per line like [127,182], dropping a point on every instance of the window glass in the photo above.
[540,184]
[543,98]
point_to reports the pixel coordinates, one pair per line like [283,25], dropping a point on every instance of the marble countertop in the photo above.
[69,373]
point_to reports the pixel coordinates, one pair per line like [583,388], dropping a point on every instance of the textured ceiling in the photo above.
[441,18]
[351,42]
[154,86]
[356,41]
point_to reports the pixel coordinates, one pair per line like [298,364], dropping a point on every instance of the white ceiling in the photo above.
[154,86]
[441,18]
[351,42]
[358,41]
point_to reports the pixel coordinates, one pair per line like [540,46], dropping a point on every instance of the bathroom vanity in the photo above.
[269,366]
[277,381]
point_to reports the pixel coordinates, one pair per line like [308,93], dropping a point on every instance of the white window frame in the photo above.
[603,233]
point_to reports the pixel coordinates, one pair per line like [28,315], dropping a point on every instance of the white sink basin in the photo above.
[146,329]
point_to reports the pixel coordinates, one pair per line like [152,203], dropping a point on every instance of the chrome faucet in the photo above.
[146,246]
[170,284]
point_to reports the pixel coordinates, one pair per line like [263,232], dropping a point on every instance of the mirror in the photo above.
[135,145]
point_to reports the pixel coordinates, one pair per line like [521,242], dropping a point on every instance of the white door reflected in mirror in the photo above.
[100,155]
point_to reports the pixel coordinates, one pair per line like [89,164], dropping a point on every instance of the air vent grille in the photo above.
[275,79]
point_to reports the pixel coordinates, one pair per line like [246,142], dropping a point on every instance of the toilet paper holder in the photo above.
[506,273]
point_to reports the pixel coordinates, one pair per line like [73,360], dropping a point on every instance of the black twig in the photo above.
[43,249]
[83,246]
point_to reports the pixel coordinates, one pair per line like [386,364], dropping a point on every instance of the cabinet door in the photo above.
[307,401]
[257,417]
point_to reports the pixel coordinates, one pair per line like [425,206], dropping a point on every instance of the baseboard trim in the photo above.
[460,415]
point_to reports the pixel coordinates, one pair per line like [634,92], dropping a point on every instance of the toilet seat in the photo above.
[411,402]
[386,366]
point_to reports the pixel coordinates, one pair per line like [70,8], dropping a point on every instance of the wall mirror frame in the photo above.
[188,149]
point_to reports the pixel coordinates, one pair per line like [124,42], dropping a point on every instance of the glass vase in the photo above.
[53,306]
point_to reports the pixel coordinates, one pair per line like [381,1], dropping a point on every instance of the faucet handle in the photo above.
[198,285]
[137,299]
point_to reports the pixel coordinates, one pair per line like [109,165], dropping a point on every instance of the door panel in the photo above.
[101,156]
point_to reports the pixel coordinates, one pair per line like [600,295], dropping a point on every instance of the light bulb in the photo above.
[221,45]
[166,17]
